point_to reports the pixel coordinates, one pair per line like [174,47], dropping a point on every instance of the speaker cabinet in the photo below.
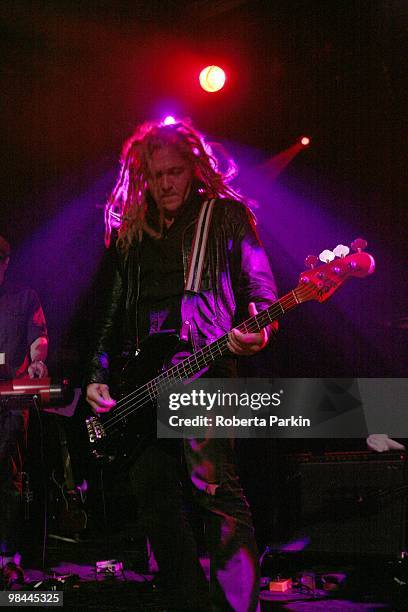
[352,503]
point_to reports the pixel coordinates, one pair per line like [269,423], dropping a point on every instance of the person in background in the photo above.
[23,351]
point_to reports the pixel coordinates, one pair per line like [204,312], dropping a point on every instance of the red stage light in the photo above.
[212,78]
[169,120]
[305,141]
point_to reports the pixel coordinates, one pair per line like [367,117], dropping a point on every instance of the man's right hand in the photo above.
[98,397]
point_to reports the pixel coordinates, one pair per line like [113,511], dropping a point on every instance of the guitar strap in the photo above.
[195,271]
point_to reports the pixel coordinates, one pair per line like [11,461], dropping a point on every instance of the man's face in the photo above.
[170,177]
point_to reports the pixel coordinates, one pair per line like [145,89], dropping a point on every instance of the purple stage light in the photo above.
[296,545]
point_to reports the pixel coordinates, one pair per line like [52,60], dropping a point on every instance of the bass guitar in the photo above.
[121,433]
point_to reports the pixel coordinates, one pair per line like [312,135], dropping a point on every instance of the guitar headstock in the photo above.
[319,283]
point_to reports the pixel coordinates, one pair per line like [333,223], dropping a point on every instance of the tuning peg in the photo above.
[341,250]
[311,261]
[359,244]
[326,256]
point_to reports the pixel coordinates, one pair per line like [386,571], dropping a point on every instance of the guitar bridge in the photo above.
[96,430]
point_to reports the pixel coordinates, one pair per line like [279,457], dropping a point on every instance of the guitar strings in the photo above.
[150,390]
[146,394]
[200,358]
[299,294]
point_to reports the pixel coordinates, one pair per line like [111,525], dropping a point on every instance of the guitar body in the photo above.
[129,435]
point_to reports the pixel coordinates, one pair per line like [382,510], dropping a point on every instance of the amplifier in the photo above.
[352,503]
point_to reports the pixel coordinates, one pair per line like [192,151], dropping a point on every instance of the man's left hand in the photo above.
[247,344]
[37,369]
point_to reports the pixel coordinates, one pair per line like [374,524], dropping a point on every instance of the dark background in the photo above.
[76,77]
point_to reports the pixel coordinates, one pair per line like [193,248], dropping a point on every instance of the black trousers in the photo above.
[13,434]
[159,478]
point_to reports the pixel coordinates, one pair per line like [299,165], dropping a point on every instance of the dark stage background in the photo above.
[76,77]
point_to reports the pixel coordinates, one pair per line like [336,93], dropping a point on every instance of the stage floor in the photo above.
[132,590]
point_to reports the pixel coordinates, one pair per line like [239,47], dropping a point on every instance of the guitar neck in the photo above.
[193,365]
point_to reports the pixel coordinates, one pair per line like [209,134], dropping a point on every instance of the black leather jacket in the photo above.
[236,272]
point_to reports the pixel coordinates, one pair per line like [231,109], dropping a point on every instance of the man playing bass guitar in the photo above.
[167,173]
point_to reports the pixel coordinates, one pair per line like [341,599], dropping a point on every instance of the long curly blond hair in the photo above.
[127,205]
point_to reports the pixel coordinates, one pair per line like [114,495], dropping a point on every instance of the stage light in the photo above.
[212,78]
[305,141]
[169,120]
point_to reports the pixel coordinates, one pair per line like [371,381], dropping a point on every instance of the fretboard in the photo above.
[196,363]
